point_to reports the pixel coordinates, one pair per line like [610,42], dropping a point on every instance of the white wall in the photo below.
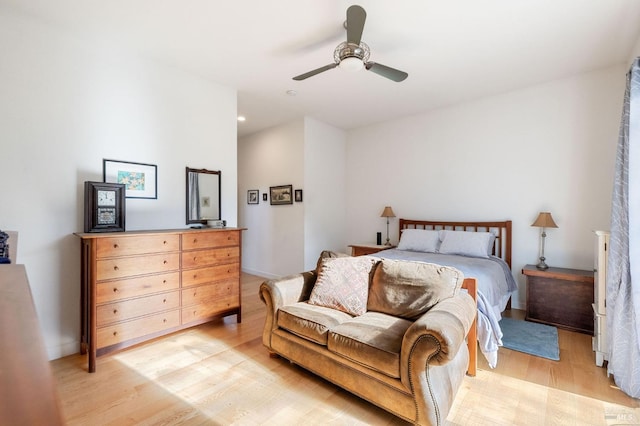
[65,104]
[545,148]
[310,155]
[273,244]
[325,195]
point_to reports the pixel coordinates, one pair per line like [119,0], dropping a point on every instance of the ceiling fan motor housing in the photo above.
[351,50]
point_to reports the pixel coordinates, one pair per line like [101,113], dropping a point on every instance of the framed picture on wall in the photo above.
[139,179]
[264,196]
[298,195]
[282,194]
[252,196]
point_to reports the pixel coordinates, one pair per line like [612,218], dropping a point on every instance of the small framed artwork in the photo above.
[140,179]
[282,194]
[104,207]
[264,196]
[252,196]
[298,195]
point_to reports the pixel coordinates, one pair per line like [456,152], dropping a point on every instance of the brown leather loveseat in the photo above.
[392,332]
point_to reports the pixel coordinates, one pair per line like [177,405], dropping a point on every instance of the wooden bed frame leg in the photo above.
[273,355]
[472,338]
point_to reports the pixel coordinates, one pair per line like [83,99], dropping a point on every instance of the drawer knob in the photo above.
[165,262]
[115,289]
[115,268]
[164,281]
[115,246]
[195,276]
[194,258]
[164,300]
[195,293]
[164,320]
[115,333]
[164,242]
[195,240]
[115,311]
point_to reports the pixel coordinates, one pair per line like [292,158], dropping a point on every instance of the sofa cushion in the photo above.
[409,289]
[309,321]
[328,254]
[373,340]
[343,284]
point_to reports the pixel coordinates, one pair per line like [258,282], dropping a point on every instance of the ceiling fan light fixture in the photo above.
[351,64]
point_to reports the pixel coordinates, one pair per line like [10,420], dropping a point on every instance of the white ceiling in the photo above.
[453,50]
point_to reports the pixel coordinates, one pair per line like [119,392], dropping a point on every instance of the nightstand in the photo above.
[364,249]
[560,297]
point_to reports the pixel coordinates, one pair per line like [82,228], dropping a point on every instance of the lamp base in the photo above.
[542,265]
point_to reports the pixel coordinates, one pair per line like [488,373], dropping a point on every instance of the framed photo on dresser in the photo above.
[104,207]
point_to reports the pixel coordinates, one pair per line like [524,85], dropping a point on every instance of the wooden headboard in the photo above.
[501,229]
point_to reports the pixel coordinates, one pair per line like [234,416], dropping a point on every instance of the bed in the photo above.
[482,250]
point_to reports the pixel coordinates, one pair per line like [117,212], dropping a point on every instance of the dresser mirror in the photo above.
[203,195]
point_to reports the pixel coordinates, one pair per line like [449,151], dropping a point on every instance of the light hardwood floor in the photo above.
[220,374]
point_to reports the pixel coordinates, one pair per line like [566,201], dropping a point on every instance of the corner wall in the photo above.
[287,239]
[545,148]
[65,105]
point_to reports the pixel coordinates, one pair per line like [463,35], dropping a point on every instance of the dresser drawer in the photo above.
[132,308]
[206,275]
[124,331]
[210,257]
[127,246]
[110,291]
[200,294]
[209,309]
[130,266]
[198,240]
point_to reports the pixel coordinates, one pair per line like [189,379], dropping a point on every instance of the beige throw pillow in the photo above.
[343,284]
[408,289]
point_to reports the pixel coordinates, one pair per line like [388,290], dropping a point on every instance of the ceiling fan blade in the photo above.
[385,71]
[316,71]
[355,23]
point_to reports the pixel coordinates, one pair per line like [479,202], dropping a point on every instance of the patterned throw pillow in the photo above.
[343,284]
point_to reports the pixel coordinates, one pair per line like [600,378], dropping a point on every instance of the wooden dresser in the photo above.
[143,284]
[28,394]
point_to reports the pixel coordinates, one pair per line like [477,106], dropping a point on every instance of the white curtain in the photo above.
[623,267]
[194,196]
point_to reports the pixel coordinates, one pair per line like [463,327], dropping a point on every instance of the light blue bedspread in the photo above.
[495,285]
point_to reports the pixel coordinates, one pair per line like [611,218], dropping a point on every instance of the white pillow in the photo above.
[425,240]
[466,243]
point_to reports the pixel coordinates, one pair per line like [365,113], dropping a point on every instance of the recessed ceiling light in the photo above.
[242,118]
[291,92]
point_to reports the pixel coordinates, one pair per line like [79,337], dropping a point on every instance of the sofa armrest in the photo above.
[280,292]
[437,336]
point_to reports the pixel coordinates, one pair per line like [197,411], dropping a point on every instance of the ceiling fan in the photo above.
[353,54]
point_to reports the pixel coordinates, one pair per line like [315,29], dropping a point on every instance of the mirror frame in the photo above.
[205,171]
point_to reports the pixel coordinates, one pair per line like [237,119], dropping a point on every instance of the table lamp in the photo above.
[388,212]
[543,221]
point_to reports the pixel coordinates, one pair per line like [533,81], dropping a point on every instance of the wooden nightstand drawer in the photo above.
[364,249]
[560,297]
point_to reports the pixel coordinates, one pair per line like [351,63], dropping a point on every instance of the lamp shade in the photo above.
[388,212]
[544,220]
